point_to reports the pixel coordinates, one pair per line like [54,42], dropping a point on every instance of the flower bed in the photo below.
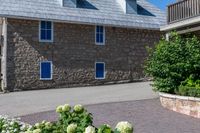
[76,120]
[181,104]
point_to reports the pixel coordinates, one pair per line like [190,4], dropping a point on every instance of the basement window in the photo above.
[100,70]
[100,35]
[46,70]
[46,31]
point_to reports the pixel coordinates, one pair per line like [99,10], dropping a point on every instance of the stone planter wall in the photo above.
[181,104]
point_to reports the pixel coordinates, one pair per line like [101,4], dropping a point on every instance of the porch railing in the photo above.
[183,10]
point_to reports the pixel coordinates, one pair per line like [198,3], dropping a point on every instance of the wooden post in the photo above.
[4,57]
[167,36]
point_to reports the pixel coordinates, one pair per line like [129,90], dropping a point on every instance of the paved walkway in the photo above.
[147,116]
[28,102]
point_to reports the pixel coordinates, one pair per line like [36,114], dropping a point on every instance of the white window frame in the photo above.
[52,32]
[51,70]
[104,35]
[104,71]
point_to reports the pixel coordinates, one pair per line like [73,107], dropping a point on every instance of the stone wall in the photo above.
[74,53]
[185,105]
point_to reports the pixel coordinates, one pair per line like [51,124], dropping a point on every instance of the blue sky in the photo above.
[162,3]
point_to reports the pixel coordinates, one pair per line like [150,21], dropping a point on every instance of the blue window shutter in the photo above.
[45,70]
[48,34]
[100,70]
[43,34]
[97,38]
[101,38]
[97,29]
[101,29]
[48,25]
[43,25]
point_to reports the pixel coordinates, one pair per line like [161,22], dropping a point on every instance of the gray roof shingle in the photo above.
[104,12]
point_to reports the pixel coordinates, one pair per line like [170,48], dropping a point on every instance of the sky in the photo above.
[162,3]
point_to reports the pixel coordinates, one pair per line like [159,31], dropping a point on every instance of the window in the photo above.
[100,35]
[46,31]
[100,70]
[46,70]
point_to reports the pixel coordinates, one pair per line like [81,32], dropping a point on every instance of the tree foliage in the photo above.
[172,62]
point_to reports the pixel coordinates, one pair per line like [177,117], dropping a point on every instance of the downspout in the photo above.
[4,57]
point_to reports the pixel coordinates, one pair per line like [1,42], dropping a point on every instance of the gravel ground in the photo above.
[147,116]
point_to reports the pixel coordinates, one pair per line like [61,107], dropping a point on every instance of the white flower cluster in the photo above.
[67,108]
[124,127]
[12,125]
[72,128]
[90,129]
[78,108]
[63,108]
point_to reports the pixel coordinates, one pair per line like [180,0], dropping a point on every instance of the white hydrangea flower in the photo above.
[3,131]
[124,127]
[90,129]
[29,132]
[66,108]
[71,128]
[59,109]
[48,125]
[43,122]
[37,125]
[37,131]
[78,108]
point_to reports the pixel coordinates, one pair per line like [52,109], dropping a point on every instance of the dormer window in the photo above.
[69,3]
[128,6]
[46,31]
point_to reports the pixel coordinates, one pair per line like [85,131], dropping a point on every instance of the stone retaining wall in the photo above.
[185,105]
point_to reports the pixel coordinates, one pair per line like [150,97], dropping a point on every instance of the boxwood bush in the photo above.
[172,62]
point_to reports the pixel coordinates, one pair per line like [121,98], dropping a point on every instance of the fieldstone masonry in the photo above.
[181,104]
[74,54]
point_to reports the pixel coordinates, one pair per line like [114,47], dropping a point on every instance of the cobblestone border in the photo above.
[181,104]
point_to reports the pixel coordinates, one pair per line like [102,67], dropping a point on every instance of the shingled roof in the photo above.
[104,12]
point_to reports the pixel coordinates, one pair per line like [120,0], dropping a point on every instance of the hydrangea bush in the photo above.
[12,125]
[76,120]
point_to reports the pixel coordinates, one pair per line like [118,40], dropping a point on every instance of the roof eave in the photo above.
[81,22]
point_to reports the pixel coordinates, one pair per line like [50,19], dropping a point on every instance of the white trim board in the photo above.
[175,25]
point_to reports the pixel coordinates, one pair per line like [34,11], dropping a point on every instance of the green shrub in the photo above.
[171,62]
[190,87]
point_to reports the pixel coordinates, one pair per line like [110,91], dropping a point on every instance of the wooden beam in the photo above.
[189,30]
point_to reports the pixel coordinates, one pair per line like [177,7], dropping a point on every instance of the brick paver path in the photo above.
[147,116]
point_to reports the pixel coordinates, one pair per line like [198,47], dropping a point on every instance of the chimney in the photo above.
[68,3]
[128,6]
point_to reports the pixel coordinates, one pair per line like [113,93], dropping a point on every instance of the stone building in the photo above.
[65,43]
